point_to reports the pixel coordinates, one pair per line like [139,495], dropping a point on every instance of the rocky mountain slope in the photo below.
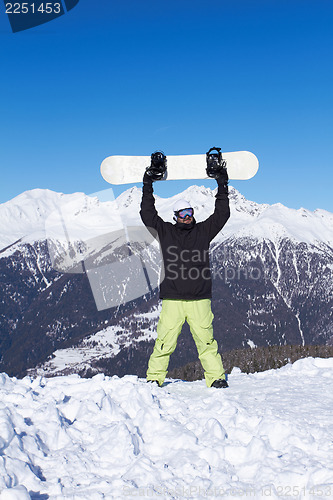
[78,279]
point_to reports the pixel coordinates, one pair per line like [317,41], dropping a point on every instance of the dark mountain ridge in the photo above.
[272,285]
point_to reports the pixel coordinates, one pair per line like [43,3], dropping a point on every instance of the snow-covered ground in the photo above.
[268,436]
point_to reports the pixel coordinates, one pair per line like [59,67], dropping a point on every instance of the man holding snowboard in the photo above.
[186,289]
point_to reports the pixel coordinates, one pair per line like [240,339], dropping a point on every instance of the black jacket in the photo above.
[185,247]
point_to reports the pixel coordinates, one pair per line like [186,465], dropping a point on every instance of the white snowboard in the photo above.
[241,165]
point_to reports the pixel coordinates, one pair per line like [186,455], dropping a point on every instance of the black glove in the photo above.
[222,176]
[222,180]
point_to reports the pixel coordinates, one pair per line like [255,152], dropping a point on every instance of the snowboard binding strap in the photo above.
[215,163]
[158,166]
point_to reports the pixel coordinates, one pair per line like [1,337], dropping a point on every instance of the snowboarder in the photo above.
[186,289]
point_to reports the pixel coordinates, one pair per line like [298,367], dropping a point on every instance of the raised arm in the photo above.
[155,172]
[217,220]
[221,214]
[148,212]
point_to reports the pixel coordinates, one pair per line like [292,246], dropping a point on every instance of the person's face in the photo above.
[187,220]
[185,216]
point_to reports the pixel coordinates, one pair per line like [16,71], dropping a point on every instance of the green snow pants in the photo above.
[199,316]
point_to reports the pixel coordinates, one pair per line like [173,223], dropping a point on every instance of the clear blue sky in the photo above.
[129,77]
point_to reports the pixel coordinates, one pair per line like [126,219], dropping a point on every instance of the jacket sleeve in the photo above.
[217,220]
[148,212]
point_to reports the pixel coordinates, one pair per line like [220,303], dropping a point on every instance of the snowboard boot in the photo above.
[220,384]
[153,382]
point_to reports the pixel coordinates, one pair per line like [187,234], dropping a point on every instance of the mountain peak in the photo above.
[129,197]
[26,215]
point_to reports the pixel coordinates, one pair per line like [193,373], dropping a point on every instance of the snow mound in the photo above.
[268,435]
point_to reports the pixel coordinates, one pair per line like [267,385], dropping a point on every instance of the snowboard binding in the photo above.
[158,166]
[216,165]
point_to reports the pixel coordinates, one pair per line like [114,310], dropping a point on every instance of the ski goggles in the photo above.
[186,212]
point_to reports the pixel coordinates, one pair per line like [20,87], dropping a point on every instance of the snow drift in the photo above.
[268,436]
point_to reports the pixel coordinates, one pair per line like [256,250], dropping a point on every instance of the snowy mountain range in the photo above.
[74,297]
